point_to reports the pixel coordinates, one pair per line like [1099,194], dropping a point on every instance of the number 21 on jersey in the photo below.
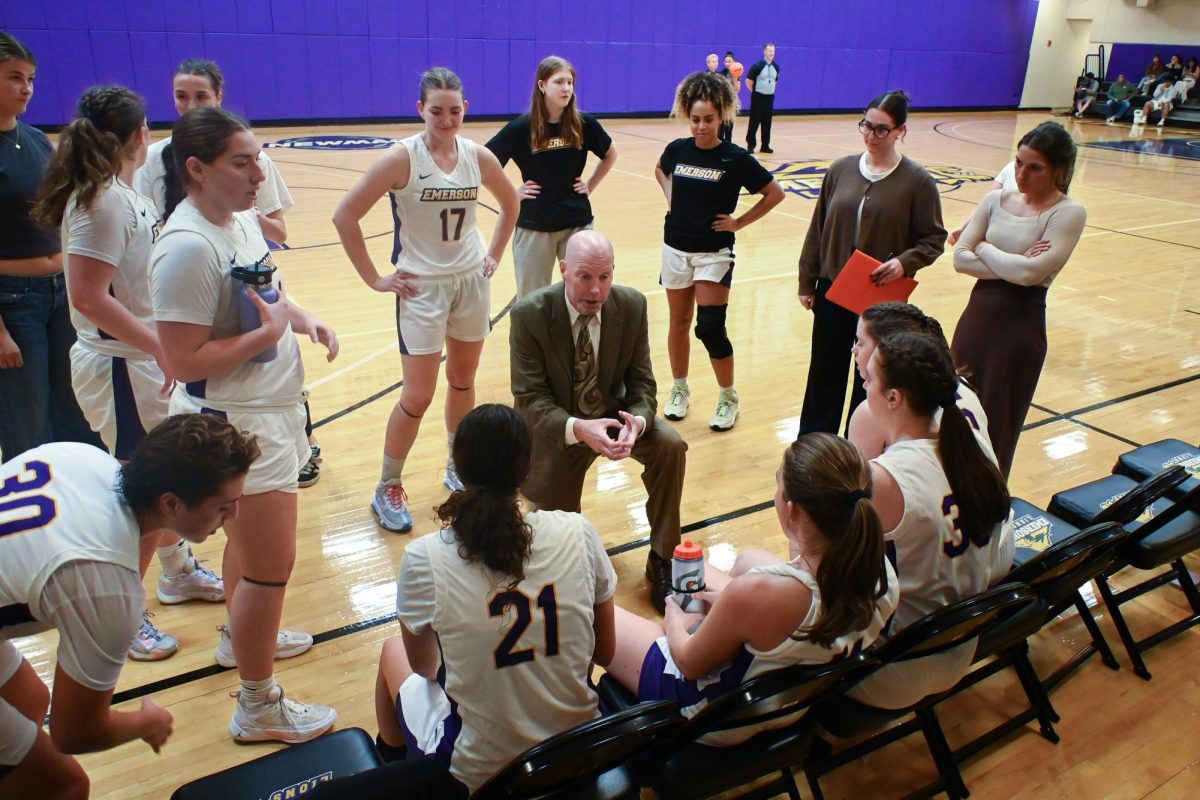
[506,654]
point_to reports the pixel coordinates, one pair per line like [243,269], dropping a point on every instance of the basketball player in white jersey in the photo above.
[883,320]
[249,371]
[830,599]
[441,270]
[116,369]
[70,526]
[501,613]
[943,504]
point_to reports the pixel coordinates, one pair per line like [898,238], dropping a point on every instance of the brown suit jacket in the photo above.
[543,357]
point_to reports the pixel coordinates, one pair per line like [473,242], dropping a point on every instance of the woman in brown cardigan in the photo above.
[884,204]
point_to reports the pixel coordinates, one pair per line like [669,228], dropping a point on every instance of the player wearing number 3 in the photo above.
[942,502]
[501,615]
[441,270]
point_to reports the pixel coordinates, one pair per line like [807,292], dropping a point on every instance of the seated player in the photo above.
[883,320]
[501,613]
[831,598]
[70,526]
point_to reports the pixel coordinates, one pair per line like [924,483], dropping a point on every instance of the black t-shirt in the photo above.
[558,206]
[21,174]
[705,183]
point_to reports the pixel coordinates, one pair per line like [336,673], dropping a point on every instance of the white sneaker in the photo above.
[677,402]
[1160,122]
[726,414]
[194,583]
[452,481]
[151,644]
[390,504]
[288,644]
[280,720]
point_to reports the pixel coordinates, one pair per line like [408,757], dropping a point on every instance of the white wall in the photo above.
[1160,22]
[1054,67]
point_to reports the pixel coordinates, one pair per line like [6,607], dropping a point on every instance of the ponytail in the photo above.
[922,368]
[173,188]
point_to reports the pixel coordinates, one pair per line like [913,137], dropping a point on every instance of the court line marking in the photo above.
[337,373]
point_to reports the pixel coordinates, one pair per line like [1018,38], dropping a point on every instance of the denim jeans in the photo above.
[1117,108]
[37,403]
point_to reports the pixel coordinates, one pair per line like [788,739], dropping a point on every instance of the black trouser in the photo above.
[832,337]
[762,106]
[726,132]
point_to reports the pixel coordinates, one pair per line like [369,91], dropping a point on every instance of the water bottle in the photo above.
[687,575]
[258,277]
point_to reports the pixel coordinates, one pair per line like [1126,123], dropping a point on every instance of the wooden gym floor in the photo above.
[1124,328]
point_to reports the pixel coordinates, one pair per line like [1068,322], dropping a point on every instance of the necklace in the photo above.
[15,141]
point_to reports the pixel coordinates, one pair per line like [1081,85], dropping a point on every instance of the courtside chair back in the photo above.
[587,761]
[1151,459]
[954,625]
[1162,533]
[685,769]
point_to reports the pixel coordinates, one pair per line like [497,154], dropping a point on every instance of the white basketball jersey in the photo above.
[936,564]
[434,214]
[59,503]
[119,229]
[515,659]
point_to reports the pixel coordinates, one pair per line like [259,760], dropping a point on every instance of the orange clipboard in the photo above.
[854,291]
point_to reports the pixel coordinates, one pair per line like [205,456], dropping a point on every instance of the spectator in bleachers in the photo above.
[1085,93]
[1119,94]
[1191,73]
[1163,101]
[1173,71]
[1153,69]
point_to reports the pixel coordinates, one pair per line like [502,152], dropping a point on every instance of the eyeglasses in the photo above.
[880,131]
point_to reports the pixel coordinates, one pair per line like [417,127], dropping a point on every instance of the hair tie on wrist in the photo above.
[859,494]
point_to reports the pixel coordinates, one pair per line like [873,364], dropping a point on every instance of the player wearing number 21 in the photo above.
[941,500]
[71,519]
[501,615]
[442,270]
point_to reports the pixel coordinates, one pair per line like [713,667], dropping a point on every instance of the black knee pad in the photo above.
[710,329]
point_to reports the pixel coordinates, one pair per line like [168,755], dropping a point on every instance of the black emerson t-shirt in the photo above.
[558,206]
[705,183]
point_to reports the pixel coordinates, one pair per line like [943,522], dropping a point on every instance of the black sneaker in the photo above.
[766,149]
[310,473]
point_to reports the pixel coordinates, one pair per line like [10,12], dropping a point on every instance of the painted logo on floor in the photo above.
[804,177]
[334,141]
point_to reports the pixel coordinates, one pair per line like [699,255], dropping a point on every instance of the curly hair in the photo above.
[708,87]
[90,151]
[493,453]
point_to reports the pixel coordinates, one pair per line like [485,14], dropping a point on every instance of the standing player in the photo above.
[502,615]
[550,144]
[211,350]
[116,368]
[69,532]
[442,271]
[199,83]
[701,178]
[733,75]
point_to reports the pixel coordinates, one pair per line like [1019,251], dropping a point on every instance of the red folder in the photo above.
[854,291]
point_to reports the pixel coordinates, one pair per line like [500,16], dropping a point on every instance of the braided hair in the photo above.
[919,366]
[90,151]
[891,317]
[709,87]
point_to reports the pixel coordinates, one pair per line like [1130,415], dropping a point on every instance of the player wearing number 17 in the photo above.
[501,615]
[442,271]
[942,502]
[71,519]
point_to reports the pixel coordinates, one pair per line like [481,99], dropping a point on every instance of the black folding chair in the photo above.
[1149,460]
[587,761]
[686,769]
[1163,532]
[943,630]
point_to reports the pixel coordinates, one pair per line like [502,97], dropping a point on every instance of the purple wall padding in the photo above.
[341,59]
[1132,59]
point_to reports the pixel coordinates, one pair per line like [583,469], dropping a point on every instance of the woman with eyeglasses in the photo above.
[1015,244]
[884,204]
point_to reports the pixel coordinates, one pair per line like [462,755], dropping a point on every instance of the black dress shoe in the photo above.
[658,573]
[766,149]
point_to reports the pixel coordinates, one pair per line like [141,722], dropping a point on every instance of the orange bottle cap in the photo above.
[689,550]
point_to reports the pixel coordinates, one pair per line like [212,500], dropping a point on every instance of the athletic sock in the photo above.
[173,557]
[450,444]
[727,391]
[681,383]
[254,693]
[392,468]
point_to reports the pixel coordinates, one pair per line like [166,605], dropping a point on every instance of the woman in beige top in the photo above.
[1015,243]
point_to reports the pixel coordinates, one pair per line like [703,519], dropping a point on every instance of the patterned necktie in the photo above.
[588,401]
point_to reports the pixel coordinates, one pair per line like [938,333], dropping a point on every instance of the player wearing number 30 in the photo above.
[942,502]
[501,614]
[441,270]
[71,520]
